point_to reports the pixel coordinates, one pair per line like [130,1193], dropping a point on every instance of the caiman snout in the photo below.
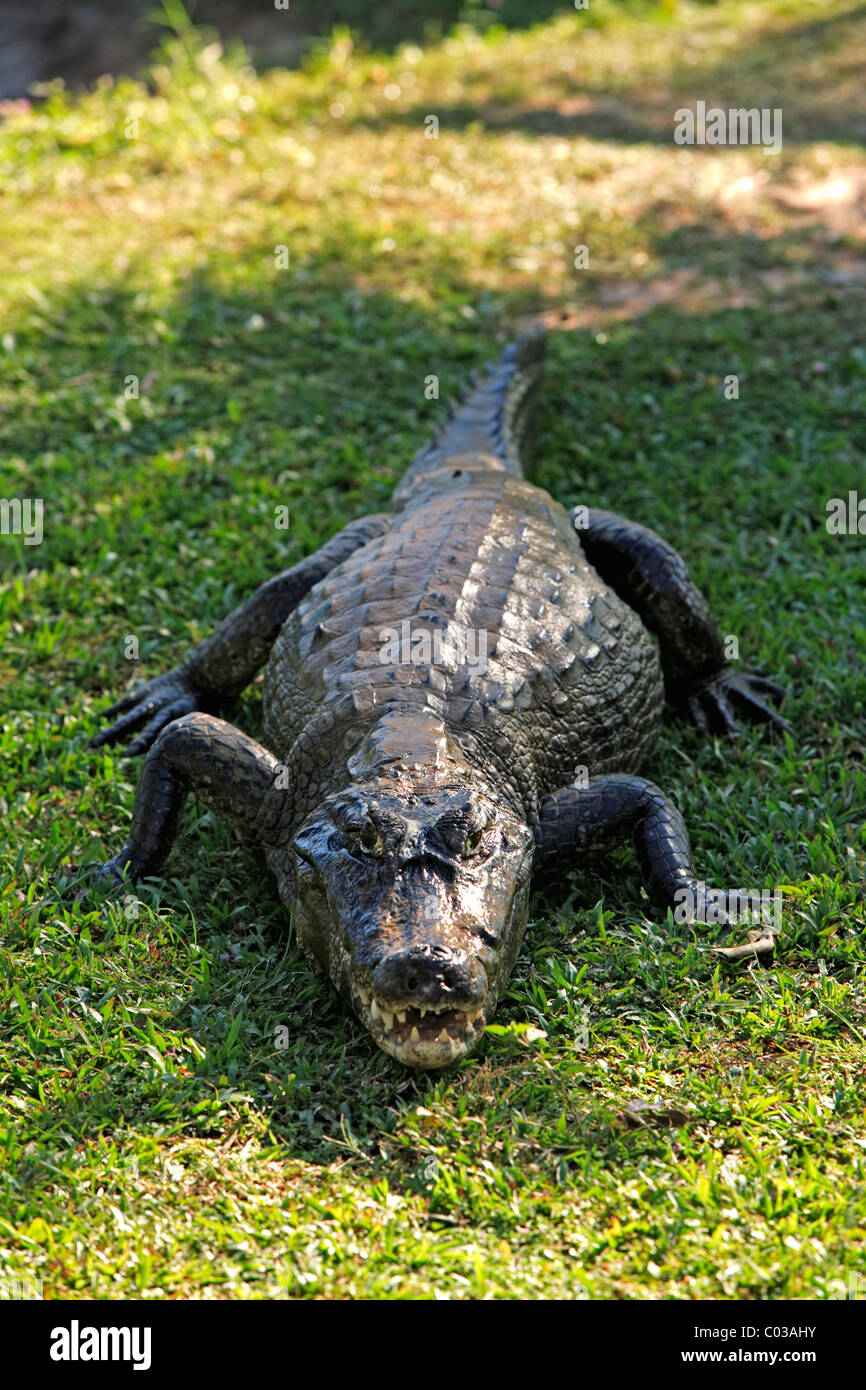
[425,1003]
[430,977]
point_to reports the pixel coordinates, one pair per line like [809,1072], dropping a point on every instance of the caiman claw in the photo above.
[76,881]
[154,704]
[713,700]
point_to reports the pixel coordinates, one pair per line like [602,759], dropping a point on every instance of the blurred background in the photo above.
[85,38]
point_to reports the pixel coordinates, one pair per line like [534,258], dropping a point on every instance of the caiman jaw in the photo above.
[434,1036]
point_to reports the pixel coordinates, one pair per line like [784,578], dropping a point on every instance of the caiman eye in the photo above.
[472,843]
[370,831]
[467,832]
[369,839]
[357,826]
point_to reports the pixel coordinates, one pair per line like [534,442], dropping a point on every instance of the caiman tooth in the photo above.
[415,1036]
[443,1037]
[374,1009]
[363,995]
[401,1017]
[388,1020]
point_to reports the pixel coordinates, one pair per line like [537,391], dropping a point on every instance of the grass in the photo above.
[155,1140]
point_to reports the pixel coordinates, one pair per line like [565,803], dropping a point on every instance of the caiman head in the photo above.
[412,894]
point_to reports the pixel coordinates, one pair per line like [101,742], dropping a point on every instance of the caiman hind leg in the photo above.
[233,775]
[652,578]
[612,807]
[222,665]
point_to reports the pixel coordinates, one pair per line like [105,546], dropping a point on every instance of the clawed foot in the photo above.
[724,908]
[76,880]
[712,701]
[155,704]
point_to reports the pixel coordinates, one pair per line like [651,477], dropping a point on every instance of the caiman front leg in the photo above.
[652,578]
[222,665]
[233,775]
[612,807]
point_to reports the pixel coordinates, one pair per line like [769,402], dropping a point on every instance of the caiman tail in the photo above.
[492,415]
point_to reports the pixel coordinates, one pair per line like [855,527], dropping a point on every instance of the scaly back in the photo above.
[491,417]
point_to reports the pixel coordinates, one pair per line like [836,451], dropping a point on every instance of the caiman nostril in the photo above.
[429,977]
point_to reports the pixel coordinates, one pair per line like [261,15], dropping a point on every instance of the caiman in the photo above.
[459,695]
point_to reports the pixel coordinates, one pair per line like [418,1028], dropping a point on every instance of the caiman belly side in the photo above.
[572,677]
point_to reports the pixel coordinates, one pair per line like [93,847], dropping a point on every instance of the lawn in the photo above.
[222,294]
